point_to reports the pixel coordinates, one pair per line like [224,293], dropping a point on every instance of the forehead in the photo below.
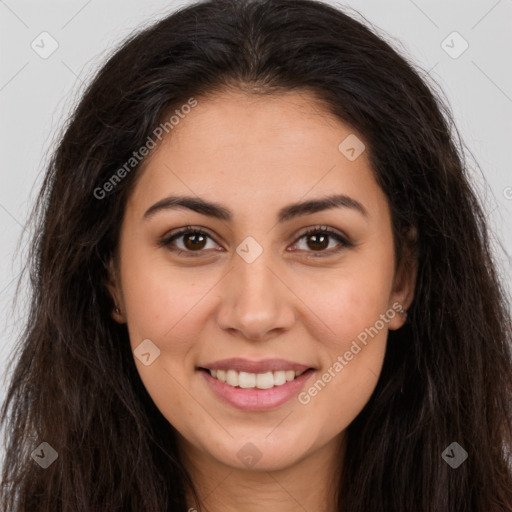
[258,152]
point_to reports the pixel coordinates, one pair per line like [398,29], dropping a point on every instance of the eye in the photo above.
[194,240]
[318,239]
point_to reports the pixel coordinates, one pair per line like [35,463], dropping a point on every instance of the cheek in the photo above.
[350,300]
[352,350]
[167,306]
[161,302]
[341,390]
[357,314]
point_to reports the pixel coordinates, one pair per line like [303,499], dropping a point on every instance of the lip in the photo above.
[245,365]
[257,399]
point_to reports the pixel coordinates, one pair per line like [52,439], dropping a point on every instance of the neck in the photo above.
[310,484]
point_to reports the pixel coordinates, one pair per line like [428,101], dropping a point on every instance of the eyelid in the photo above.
[322,229]
[166,240]
[343,240]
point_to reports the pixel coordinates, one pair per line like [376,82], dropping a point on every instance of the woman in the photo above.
[261,281]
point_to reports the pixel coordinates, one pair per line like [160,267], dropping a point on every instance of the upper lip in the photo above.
[245,365]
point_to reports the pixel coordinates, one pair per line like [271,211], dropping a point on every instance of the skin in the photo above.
[254,156]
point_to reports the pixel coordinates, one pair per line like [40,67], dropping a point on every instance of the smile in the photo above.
[248,380]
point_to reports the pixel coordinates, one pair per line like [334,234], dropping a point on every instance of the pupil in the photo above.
[322,243]
[194,244]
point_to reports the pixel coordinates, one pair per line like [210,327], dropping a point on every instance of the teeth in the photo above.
[279,378]
[265,380]
[254,380]
[232,378]
[246,380]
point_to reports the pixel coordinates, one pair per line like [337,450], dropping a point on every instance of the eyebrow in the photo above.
[212,209]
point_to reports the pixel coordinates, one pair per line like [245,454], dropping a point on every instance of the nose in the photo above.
[257,303]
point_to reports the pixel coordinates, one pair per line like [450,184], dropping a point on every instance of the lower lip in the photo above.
[257,399]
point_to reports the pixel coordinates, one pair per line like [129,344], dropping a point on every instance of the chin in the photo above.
[261,454]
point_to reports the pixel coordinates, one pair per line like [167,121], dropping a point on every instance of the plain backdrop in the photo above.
[38,91]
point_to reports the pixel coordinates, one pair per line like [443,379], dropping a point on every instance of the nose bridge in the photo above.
[254,301]
[256,279]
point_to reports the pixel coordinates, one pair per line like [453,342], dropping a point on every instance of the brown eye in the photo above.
[192,241]
[318,240]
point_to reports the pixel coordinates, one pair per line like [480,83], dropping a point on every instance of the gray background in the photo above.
[36,95]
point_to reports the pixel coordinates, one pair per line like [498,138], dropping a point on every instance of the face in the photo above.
[267,281]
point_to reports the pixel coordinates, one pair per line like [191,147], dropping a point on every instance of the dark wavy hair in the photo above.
[447,374]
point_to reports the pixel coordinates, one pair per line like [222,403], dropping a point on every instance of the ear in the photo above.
[114,288]
[405,281]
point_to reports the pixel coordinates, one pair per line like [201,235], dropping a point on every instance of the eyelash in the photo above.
[344,243]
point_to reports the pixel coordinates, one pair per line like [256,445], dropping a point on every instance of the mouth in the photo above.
[246,380]
[255,386]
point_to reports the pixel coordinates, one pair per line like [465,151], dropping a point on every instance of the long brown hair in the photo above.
[447,375]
